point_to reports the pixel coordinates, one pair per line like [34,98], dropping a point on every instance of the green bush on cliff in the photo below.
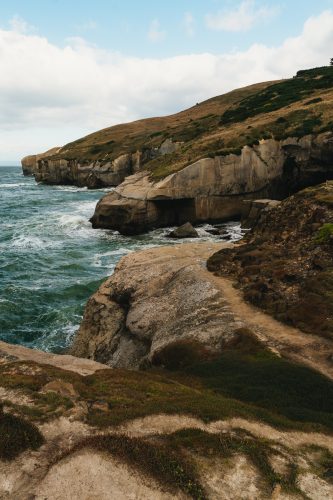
[324,234]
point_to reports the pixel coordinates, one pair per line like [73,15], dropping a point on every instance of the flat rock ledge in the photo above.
[11,352]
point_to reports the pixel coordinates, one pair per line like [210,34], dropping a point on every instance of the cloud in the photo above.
[244,17]
[188,23]
[50,95]
[155,34]
[20,25]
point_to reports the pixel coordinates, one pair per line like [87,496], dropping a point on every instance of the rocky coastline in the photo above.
[200,370]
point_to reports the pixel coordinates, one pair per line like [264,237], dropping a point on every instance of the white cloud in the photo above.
[155,34]
[20,25]
[189,24]
[244,17]
[50,95]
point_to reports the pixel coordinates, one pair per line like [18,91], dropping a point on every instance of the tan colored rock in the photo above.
[212,189]
[155,298]
[29,163]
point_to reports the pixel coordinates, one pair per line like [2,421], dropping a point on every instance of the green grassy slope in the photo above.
[292,107]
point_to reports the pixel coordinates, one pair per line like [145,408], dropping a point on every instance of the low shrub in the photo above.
[17,435]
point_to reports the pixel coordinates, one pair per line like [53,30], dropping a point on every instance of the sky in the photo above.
[68,68]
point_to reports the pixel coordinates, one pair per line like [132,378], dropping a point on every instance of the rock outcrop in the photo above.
[253,209]
[30,163]
[154,298]
[212,189]
[164,298]
[54,166]
[184,231]
[93,174]
[286,263]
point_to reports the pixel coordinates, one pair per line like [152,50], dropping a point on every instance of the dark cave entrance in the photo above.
[175,212]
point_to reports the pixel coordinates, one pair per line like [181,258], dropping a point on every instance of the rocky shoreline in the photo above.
[200,370]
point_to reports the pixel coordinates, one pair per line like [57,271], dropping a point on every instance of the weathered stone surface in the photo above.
[184,231]
[29,163]
[212,189]
[154,298]
[83,173]
[53,167]
[253,209]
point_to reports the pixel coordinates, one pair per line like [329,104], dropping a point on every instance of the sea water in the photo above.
[51,260]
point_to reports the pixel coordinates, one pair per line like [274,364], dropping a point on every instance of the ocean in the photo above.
[51,260]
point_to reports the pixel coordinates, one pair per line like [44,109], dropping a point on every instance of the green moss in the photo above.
[324,234]
[16,436]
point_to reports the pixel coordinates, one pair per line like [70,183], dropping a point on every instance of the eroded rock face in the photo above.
[212,189]
[155,298]
[29,163]
[54,167]
[83,173]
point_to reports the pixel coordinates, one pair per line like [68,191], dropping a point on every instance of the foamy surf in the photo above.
[51,260]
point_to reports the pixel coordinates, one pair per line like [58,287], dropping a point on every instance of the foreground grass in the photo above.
[173,459]
[17,435]
[244,381]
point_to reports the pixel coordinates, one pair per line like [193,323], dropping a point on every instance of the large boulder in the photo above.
[184,231]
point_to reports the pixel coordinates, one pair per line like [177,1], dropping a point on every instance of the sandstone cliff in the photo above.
[30,163]
[212,189]
[224,124]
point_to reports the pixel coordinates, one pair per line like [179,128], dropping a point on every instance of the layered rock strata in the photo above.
[30,163]
[54,166]
[212,189]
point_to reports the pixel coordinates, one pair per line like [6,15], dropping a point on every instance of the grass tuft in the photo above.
[17,435]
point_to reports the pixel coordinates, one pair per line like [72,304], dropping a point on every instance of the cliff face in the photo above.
[142,308]
[296,107]
[212,189]
[30,163]
[83,173]
[162,303]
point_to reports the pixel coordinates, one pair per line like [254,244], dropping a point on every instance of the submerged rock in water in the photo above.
[184,231]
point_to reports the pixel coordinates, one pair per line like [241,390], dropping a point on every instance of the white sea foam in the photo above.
[72,189]
[12,185]
[30,242]
[98,259]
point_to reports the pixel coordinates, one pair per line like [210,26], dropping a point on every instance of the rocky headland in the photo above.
[213,189]
[200,370]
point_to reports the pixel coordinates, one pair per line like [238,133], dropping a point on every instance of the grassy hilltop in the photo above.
[293,107]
